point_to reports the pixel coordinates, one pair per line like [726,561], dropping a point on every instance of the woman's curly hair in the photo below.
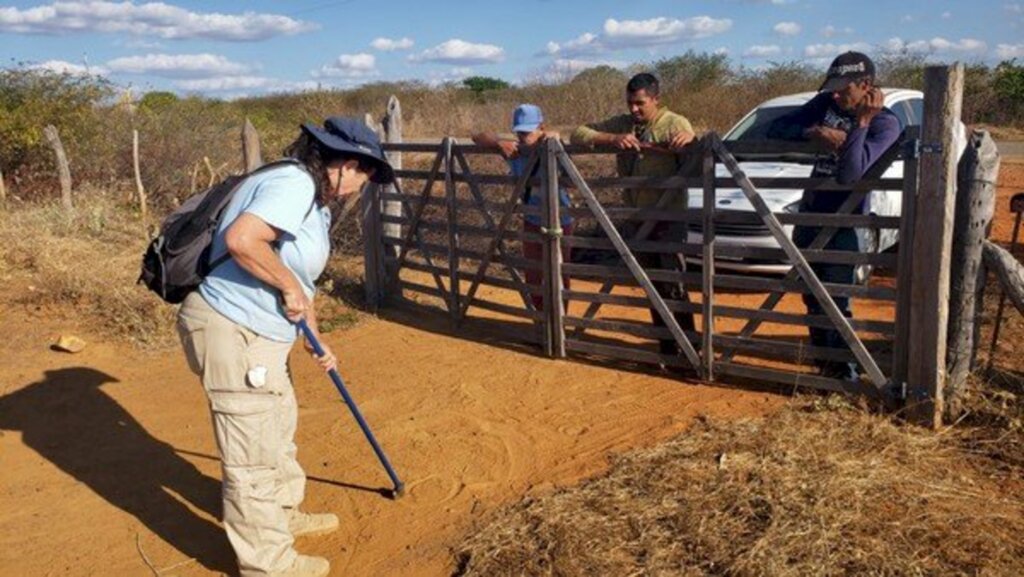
[316,157]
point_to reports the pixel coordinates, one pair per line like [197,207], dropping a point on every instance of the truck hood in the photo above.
[775,198]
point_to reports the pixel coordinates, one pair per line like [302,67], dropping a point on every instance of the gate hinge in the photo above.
[915,148]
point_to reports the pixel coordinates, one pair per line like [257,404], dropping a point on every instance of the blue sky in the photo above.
[227,49]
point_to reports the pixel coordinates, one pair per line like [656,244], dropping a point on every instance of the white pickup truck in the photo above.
[907,105]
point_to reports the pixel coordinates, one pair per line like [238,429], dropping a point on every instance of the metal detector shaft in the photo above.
[340,385]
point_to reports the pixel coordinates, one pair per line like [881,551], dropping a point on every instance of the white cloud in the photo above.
[831,31]
[149,19]
[937,45]
[564,69]
[624,34]
[461,53]
[65,67]
[349,66]
[244,83]
[178,65]
[787,28]
[662,30]
[907,19]
[947,15]
[832,50]
[762,51]
[391,44]
[585,43]
[1008,51]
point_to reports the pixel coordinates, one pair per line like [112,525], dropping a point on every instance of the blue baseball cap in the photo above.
[527,118]
[353,137]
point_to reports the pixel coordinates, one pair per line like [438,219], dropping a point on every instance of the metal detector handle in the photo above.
[340,385]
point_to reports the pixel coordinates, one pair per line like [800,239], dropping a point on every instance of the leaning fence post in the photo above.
[3,191]
[975,206]
[393,208]
[553,264]
[933,236]
[64,172]
[252,157]
[143,211]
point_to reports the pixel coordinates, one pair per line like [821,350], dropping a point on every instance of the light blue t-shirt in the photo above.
[516,167]
[283,198]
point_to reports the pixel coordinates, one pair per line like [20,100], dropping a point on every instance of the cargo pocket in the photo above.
[246,428]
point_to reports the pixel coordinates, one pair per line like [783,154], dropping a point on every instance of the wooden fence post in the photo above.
[53,138]
[933,236]
[393,134]
[143,211]
[252,157]
[3,191]
[975,206]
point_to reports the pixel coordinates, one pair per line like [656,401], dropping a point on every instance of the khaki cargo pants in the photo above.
[254,423]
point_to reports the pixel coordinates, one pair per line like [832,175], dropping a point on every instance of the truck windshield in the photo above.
[755,126]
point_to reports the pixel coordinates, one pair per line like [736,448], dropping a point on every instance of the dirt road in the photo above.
[110,450]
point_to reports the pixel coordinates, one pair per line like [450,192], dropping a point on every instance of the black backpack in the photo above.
[178,259]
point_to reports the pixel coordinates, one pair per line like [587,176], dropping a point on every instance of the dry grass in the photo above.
[822,488]
[83,268]
[85,264]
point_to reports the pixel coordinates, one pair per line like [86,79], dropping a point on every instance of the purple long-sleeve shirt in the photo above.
[863,146]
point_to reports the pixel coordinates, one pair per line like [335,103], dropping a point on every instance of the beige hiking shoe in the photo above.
[306,566]
[302,523]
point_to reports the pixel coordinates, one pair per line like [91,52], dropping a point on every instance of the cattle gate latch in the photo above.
[556,232]
[915,148]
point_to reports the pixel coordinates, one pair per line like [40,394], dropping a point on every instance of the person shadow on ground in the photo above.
[68,419]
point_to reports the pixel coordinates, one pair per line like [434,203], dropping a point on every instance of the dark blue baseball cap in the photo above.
[353,137]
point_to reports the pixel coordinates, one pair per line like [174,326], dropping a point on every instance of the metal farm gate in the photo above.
[459,250]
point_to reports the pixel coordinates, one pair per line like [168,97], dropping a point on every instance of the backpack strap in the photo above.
[287,161]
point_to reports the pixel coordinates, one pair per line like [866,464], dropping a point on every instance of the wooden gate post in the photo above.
[252,157]
[975,206]
[708,260]
[393,134]
[454,246]
[373,262]
[64,172]
[553,300]
[933,236]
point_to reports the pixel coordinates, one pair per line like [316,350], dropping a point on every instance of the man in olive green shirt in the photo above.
[649,126]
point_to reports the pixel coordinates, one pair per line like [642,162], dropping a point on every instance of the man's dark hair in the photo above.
[644,81]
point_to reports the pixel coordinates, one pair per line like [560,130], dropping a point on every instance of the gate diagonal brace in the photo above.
[627,256]
[800,263]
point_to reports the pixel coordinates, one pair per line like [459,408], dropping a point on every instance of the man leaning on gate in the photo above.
[849,120]
[651,132]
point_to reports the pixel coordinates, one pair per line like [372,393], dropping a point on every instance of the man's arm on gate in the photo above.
[604,132]
[507,148]
[793,126]
[864,145]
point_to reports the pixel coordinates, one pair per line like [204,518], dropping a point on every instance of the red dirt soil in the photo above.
[107,455]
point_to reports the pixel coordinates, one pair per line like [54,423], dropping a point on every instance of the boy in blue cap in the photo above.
[528,126]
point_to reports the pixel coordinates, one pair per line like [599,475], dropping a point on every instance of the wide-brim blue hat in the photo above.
[350,136]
